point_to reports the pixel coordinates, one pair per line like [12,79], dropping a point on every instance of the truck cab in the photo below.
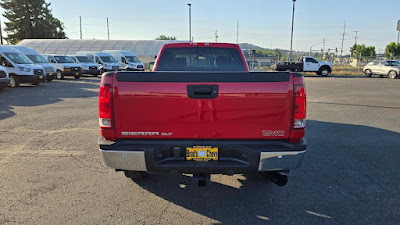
[127,60]
[48,68]
[65,66]
[105,60]
[19,67]
[88,65]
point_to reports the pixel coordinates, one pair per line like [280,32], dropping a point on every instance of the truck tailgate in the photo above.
[222,105]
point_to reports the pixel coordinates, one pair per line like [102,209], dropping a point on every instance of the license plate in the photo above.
[67,70]
[40,77]
[77,73]
[50,74]
[201,153]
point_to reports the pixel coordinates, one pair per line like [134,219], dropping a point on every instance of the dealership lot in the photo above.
[51,171]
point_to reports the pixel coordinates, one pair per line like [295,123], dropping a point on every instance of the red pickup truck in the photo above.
[202,112]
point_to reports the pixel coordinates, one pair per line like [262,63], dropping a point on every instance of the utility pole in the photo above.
[190,21]
[216,35]
[323,48]
[344,33]
[1,33]
[80,26]
[355,38]
[108,30]
[291,36]
[237,33]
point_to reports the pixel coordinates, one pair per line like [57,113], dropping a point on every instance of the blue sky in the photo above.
[262,22]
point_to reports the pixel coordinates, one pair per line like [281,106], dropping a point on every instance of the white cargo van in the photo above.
[49,69]
[65,66]
[20,68]
[105,61]
[127,60]
[88,64]
[4,78]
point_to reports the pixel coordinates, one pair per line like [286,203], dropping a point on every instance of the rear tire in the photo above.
[392,74]
[367,73]
[77,77]
[59,75]
[14,82]
[324,71]
[135,174]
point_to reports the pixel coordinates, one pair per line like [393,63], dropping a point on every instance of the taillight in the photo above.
[105,103]
[299,118]
[300,107]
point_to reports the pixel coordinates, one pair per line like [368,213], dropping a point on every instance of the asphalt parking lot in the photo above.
[51,171]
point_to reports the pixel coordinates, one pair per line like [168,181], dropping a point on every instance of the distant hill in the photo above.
[255,47]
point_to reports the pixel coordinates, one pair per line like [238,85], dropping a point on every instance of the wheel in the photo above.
[49,79]
[393,74]
[101,71]
[324,72]
[368,73]
[94,75]
[77,77]
[14,82]
[135,174]
[381,76]
[318,73]
[59,75]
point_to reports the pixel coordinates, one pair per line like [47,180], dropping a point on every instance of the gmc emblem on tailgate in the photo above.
[273,133]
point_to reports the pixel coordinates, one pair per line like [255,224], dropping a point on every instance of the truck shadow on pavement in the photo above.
[347,173]
[46,93]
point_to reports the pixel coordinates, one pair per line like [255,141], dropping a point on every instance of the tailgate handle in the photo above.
[202,91]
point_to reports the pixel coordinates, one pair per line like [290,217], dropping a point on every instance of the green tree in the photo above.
[392,49]
[276,53]
[263,53]
[363,51]
[164,37]
[30,19]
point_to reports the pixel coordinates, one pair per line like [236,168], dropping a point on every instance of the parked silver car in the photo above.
[390,68]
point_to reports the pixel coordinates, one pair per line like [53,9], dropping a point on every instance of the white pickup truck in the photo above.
[306,64]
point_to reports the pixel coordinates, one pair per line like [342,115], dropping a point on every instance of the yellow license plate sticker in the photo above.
[201,153]
[40,77]
[77,73]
